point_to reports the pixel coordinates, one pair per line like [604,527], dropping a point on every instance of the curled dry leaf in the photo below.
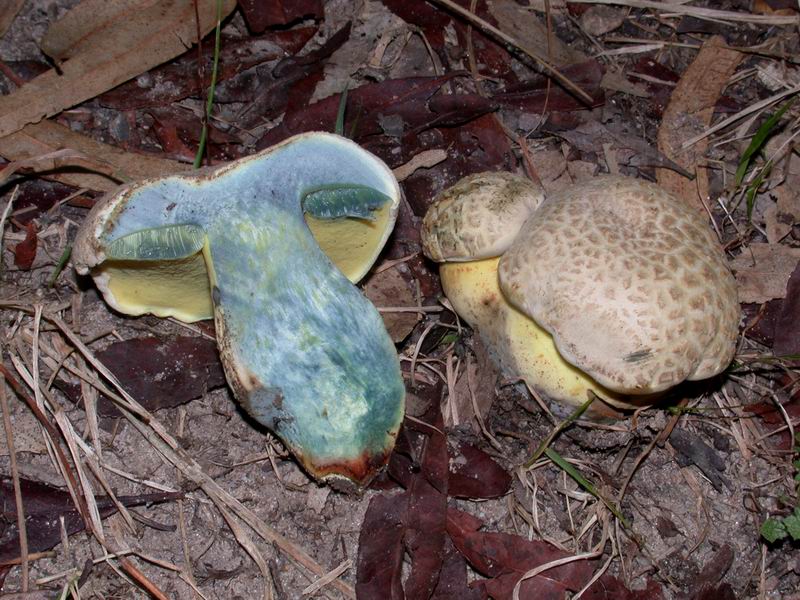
[47,136]
[694,97]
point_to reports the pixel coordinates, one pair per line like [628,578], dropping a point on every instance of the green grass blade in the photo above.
[201,147]
[62,262]
[585,484]
[759,139]
[576,414]
[339,127]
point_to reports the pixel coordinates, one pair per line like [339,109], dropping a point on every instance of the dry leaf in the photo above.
[479,378]
[55,160]
[389,289]
[113,52]
[762,271]
[689,112]
[599,20]
[524,26]
[780,216]
[550,164]
[8,11]
[44,137]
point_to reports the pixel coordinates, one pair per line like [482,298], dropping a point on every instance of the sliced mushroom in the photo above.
[611,286]
[304,351]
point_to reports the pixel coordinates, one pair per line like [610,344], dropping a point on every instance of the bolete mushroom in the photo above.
[303,350]
[612,286]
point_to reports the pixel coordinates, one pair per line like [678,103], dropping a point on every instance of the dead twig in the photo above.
[507,39]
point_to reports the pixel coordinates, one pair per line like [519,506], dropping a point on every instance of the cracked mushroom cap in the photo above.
[304,351]
[629,281]
[478,217]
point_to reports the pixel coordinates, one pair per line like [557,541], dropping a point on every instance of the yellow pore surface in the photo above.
[166,288]
[522,347]
[352,244]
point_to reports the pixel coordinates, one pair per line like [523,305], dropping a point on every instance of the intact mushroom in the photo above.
[303,350]
[611,286]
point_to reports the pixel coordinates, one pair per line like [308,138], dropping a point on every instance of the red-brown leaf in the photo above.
[427,511]
[474,474]
[261,14]
[44,507]
[179,78]
[380,549]
[368,102]
[787,326]
[541,93]
[25,251]
[161,373]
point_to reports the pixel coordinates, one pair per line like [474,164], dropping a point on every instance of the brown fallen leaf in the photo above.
[8,11]
[763,270]
[599,20]
[47,136]
[159,373]
[389,289]
[260,15]
[110,51]
[524,26]
[179,78]
[25,251]
[58,159]
[689,112]
[380,549]
[787,326]
[478,379]
[47,510]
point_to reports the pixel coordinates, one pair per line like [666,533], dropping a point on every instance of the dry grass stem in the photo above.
[507,39]
[157,435]
[327,578]
[710,14]
[753,108]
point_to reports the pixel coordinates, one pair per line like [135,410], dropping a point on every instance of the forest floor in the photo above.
[672,500]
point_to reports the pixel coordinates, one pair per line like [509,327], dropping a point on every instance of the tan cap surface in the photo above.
[478,217]
[632,285]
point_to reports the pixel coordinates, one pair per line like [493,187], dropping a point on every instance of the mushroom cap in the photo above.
[303,349]
[632,285]
[478,217]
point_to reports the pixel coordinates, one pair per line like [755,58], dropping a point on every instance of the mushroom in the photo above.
[303,350]
[611,286]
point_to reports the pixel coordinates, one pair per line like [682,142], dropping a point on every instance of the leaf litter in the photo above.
[454,516]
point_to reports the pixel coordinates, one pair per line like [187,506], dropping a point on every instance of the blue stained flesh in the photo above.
[324,372]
